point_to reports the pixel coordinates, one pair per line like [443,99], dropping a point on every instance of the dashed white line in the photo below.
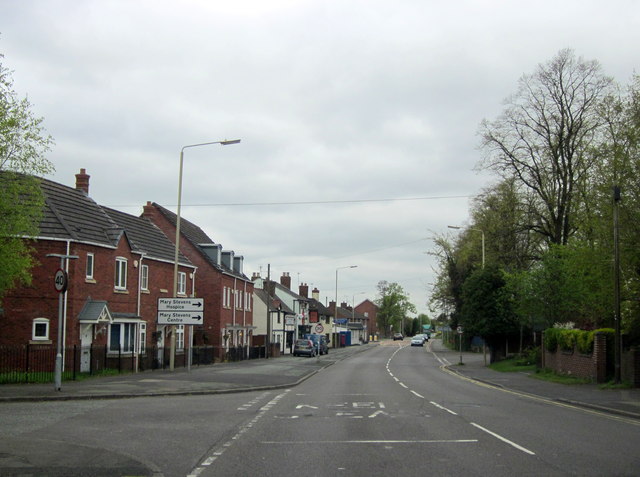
[443,408]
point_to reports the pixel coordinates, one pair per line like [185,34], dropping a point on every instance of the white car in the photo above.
[417,340]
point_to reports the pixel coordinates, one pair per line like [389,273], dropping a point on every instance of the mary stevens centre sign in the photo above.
[180,311]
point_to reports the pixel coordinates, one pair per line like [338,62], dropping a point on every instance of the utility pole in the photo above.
[616,285]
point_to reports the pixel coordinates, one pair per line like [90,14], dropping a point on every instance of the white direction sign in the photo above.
[180,311]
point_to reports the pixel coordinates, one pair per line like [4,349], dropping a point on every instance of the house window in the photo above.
[247,301]
[144,277]
[143,338]
[121,274]
[179,337]
[89,270]
[40,330]
[182,283]
[122,337]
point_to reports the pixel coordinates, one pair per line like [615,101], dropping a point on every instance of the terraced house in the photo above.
[123,264]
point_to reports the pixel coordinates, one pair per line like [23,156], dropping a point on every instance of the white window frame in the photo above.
[90,266]
[120,279]
[182,283]
[144,277]
[142,345]
[126,338]
[247,301]
[179,337]
[40,321]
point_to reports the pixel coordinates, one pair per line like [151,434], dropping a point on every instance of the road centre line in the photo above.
[503,439]
[209,459]
[419,395]
[429,441]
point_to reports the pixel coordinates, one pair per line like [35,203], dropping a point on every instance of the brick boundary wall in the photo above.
[593,366]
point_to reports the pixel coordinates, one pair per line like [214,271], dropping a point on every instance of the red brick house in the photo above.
[370,310]
[124,264]
[221,282]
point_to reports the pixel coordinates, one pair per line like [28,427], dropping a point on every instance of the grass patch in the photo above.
[613,385]
[514,365]
[553,377]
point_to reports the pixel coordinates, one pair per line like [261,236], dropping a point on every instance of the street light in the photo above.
[175,261]
[335,312]
[476,230]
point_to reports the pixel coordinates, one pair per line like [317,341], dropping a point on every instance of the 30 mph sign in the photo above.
[180,311]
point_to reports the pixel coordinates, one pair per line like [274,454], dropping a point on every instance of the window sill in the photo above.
[42,342]
[120,292]
[90,280]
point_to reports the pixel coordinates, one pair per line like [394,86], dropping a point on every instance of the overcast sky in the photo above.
[358,119]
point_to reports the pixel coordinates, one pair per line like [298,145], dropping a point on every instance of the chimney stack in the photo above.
[315,294]
[285,280]
[82,181]
[304,290]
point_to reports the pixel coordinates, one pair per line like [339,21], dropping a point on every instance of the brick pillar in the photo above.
[600,356]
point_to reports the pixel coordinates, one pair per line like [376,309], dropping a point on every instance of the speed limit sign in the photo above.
[319,328]
[61,281]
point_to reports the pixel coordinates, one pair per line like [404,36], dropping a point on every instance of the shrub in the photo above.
[585,342]
[551,339]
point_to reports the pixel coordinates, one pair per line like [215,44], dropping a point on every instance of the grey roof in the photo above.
[94,311]
[197,237]
[70,214]
[145,237]
[275,301]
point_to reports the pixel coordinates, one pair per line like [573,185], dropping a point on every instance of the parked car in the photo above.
[417,340]
[304,347]
[324,346]
[398,336]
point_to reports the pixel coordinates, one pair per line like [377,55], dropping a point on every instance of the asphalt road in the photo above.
[388,410]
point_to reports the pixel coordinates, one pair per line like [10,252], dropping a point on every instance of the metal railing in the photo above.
[34,363]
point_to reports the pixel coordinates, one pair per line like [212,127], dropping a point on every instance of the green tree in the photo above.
[487,308]
[545,140]
[394,305]
[23,144]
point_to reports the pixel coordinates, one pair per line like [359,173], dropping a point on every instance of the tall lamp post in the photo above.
[335,311]
[225,142]
[476,230]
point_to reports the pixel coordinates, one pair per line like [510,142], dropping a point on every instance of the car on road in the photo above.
[398,336]
[324,346]
[304,347]
[418,340]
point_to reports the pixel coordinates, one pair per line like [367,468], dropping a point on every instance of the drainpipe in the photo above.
[136,345]
[191,333]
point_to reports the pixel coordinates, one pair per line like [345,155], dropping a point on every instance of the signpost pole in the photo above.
[60,283]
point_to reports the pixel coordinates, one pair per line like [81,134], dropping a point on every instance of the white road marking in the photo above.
[503,439]
[443,408]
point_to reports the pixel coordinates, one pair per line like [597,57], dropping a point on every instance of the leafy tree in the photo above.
[487,308]
[23,144]
[394,305]
[545,138]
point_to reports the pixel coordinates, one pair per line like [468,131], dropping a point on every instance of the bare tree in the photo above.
[544,138]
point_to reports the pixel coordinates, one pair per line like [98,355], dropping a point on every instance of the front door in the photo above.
[86,340]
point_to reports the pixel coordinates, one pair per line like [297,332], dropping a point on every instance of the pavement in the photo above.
[286,371]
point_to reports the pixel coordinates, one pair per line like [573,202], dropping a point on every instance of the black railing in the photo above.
[34,363]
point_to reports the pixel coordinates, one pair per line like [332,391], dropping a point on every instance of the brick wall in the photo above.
[573,363]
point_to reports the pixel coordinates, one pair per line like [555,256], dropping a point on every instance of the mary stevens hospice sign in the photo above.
[180,311]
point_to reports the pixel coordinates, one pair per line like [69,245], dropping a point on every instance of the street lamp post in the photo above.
[175,261]
[476,230]
[335,311]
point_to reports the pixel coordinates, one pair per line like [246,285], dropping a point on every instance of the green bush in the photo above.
[551,339]
[584,342]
